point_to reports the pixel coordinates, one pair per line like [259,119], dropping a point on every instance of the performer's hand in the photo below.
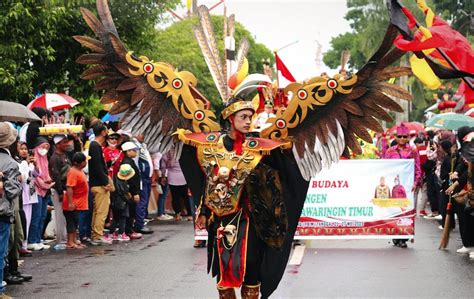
[201,222]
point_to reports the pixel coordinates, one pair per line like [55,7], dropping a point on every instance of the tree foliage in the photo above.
[38,53]
[178,46]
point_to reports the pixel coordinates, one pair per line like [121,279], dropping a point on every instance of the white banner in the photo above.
[360,199]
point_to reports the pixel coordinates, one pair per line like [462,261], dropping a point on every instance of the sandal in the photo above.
[72,246]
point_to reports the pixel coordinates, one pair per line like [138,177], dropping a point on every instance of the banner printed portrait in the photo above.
[360,199]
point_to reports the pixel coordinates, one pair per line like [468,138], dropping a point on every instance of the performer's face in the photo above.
[242,120]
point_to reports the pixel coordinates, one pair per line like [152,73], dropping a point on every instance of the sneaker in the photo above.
[24,252]
[134,236]
[123,238]
[164,217]
[102,241]
[34,246]
[440,227]
[45,247]
[438,217]
[422,213]
[114,236]
[85,240]
[471,255]
[463,250]
[431,216]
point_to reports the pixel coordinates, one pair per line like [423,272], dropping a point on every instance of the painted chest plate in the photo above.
[226,171]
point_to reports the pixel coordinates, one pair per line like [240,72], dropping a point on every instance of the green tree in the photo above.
[346,41]
[38,53]
[178,46]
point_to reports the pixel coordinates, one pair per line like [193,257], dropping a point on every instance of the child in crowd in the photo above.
[119,200]
[75,199]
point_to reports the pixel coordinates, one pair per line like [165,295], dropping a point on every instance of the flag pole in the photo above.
[275,52]
[276,64]
[445,56]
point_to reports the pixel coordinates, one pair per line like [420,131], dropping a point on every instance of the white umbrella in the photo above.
[53,101]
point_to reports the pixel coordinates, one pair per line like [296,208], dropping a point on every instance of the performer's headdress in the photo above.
[231,75]
[235,105]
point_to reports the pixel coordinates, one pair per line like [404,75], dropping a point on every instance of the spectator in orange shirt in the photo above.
[75,199]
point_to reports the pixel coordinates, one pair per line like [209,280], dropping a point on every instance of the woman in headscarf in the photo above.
[28,170]
[43,183]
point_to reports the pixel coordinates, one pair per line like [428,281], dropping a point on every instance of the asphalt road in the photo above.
[165,265]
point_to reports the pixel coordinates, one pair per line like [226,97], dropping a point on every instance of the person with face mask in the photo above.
[59,165]
[111,151]
[43,183]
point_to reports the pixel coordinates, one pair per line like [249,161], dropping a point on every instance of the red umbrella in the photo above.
[412,126]
[53,101]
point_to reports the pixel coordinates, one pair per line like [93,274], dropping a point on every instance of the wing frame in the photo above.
[327,115]
[157,98]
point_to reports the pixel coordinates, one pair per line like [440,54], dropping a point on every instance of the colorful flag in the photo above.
[283,69]
[426,42]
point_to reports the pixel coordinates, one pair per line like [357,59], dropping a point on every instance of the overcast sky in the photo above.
[276,23]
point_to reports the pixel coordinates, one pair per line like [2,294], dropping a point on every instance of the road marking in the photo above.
[297,256]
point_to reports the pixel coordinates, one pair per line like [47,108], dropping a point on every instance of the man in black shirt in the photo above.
[100,186]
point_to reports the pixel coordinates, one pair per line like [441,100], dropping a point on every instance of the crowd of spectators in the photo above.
[79,189]
[441,175]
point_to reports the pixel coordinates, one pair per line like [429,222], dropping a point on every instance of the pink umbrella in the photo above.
[53,101]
